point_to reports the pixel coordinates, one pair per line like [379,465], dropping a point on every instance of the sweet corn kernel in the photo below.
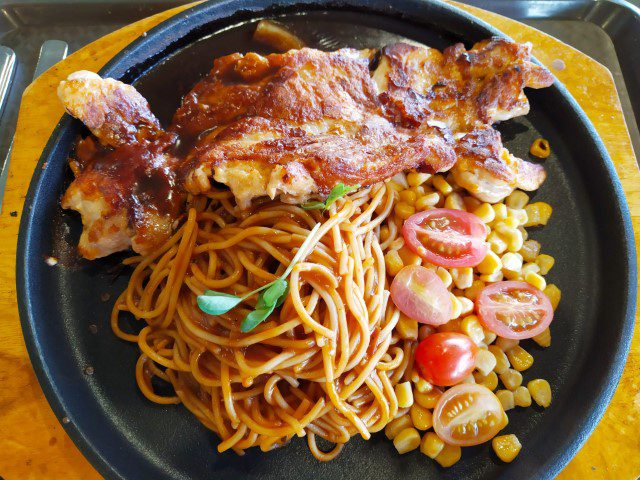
[471,327]
[500,210]
[449,455]
[415,179]
[530,250]
[524,233]
[502,362]
[506,447]
[494,277]
[421,417]
[506,344]
[538,214]
[419,191]
[512,236]
[407,440]
[511,262]
[442,185]
[485,212]
[490,380]
[444,275]
[496,243]
[489,337]
[518,216]
[554,295]
[408,196]
[472,292]
[540,390]
[404,210]
[518,199]
[409,257]
[536,280]
[506,399]
[511,379]
[456,306]
[427,201]
[543,338]
[427,399]
[393,262]
[424,331]
[471,203]
[490,264]
[519,358]
[404,393]
[545,262]
[395,426]
[522,397]
[468,379]
[454,201]
[529,267]
[396,186]
[423,386]
[431,445]
[467,305]
[415,376]
[407,328]
[384,233]
[451,326]
[540,148]
[485,361]
[462,277]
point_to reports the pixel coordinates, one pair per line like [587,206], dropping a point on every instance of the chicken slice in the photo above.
[125,187]
[466,92]
[458,88]
[114,111]
[317,122]
[488,171]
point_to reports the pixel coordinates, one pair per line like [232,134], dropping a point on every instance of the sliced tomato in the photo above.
[420,294]
[448,238]
[514,310]
[468,414]
[446,358]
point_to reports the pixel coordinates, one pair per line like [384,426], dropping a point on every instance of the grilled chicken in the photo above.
[316,122]
[466,92]
[292,126]
[125,187]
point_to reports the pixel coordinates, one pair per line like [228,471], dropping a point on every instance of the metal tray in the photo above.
[606,30]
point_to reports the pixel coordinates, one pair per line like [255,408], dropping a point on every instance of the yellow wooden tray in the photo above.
[33,445]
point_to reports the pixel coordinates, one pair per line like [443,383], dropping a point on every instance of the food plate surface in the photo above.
[88,374]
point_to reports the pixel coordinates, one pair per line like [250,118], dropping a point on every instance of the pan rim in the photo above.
[116,68]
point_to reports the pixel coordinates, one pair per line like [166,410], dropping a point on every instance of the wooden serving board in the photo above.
[33,445]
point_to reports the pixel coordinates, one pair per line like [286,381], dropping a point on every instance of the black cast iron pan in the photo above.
[65,316]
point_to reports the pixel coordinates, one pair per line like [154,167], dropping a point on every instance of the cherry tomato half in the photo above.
[420,294]
[448,238]
[514,310]
[468,414]
[446,358]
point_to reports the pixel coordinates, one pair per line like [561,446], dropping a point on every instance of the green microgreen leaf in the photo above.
[217,303]
[336,192]
[255,318]
[272,294]
[313,205]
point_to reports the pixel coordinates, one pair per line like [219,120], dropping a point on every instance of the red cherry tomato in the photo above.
[448,238]
[468,414]
[446,358]
[514,310]
[420,294]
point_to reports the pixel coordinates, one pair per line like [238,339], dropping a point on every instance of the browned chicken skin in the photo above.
[292,126]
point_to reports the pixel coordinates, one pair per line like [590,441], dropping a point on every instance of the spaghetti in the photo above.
[323,365]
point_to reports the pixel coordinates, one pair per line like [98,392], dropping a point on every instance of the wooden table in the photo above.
[32,442]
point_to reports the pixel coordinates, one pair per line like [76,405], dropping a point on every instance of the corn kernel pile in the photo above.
[500,362]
